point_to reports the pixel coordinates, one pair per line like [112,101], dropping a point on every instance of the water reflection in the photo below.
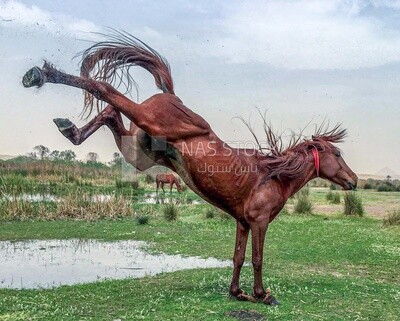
[148,198]
[30,197]
[51,263]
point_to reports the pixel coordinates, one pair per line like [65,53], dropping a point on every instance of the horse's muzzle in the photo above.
[352,186]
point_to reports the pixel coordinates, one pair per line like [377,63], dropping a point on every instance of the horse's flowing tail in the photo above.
[111,60]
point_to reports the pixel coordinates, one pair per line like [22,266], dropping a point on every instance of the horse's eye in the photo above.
[337,154]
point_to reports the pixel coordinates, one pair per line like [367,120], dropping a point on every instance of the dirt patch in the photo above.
[246,315]
[378,211]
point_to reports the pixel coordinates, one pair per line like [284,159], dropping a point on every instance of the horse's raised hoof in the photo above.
[33,77]
[68,129]
[63,124]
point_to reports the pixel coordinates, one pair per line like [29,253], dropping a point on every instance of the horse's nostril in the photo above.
[352,186]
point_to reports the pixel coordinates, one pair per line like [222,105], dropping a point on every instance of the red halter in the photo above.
[316,159]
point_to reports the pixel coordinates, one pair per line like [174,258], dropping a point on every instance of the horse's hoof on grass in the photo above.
[243,296]
[33,77]
[63,123]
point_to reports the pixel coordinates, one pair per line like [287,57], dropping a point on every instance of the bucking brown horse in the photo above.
[250,185]
[170,179]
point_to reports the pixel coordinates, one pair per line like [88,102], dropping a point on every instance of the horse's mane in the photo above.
[110,61]
[288,160]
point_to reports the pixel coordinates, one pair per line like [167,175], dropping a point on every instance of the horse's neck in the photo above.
[296,183]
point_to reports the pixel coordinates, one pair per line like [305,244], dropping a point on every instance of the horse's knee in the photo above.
[238,261]
[257,264]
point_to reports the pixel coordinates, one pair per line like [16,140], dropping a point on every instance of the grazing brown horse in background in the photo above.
[251,186]
[170,179]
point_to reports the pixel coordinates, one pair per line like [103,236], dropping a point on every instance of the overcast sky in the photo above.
[301,61]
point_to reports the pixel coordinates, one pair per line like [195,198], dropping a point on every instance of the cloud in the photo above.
[15,14]
[293,35]
[319,35]
[386,3]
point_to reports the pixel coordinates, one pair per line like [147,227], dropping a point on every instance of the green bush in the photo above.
[303,205]
[135,184]
[386,187]
[224,215]
[142,219]
[393,218]
[333,187]
[353,204]
[149,179]
[367,186]
[126,184]
[333,197]
[210,213]
[121,184]
[170,211]
[336,198]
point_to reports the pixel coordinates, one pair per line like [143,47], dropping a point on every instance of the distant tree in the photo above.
[32,155]
[41,151]
[388,178]
[92,157]
[68,155]
[55,155]
[117,159]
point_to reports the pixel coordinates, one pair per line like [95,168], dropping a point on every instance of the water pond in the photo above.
[51,263]
[148,198]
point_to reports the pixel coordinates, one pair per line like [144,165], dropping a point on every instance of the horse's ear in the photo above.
[313,137]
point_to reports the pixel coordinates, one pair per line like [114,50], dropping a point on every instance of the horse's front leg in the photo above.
[258,231]
[242,233]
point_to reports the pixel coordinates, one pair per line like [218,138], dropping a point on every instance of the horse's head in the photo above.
[332,165]
[178,186]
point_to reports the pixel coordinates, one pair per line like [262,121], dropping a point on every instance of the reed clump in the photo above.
[302,203]
[78,206]
[353,204]
[210,213]
[170,211]
[393,218]
[333,197]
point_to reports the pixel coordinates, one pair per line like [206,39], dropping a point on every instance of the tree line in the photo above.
[41,152]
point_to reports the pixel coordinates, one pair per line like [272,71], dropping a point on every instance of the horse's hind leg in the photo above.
[127,141]
[160,116]
[108,117]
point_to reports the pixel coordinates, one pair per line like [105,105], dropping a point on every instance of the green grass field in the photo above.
[319,267]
